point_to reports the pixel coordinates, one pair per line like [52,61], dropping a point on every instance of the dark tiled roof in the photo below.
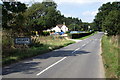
[59,25]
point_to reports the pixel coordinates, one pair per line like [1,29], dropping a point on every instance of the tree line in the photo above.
[108,18]
[40,16]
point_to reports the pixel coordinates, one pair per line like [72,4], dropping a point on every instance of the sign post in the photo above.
[22,40]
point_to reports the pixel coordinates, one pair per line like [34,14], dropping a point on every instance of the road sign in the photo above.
[22,40]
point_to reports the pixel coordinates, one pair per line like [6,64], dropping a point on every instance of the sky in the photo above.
[82,9]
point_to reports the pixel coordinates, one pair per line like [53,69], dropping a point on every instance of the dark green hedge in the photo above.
[79,35]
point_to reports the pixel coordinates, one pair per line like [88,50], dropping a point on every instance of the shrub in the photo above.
[67,32]
[45,33]
[7,40]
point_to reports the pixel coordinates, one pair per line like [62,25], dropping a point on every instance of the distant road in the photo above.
[78,60]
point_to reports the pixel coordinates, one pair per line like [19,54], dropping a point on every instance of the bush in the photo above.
[67,32]
[45,33]
[7,40]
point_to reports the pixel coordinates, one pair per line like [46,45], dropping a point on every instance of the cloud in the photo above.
[83,1]
[68,15]
[89,13]
[30,1]
[88,16]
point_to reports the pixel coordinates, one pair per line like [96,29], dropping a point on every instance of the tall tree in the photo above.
[13,15]
[35,16]
[52,17]
[104,10]
[112,23]
[42,16]
[49,3]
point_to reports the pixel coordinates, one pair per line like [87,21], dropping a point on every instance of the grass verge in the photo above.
[110,52]
[43,45]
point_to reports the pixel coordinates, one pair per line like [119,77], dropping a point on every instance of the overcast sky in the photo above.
[83,9]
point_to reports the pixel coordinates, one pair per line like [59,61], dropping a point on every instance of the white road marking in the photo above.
[51,66]
[83,45]
[58,61]
[75,50]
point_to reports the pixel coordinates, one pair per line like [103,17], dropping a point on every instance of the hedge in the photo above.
[79,35]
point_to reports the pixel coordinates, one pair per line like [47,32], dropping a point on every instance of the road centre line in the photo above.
[83,45]
[51,66]
[79,48]
[75,50]
[58,61]
[55,63]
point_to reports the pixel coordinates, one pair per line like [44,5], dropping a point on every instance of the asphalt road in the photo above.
[78,60]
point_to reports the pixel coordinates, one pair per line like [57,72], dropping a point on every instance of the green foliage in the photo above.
[102,16]
[38,17]
[72,22]
[45,33]
[50,4]
[41,16]
[84,26]
[34,16]
[112,23]
[13,15]
[7,40]
[103,11]
[52,17]
[74,27]
[67,32]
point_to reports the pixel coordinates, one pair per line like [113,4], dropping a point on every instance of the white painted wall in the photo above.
[56,29]
[64,28]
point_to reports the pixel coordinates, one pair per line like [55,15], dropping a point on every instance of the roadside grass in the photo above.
[41,45]
[86,36]
[110,53]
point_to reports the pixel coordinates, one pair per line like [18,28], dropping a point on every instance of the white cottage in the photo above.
[60,28]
